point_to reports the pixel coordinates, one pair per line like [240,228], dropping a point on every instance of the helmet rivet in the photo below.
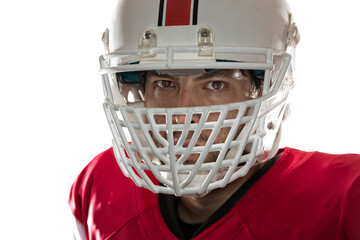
[271,126]
[205,32]
[147,35]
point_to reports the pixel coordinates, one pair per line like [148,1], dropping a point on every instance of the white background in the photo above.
[52,123]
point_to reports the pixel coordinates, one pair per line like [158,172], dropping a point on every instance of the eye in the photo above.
[164,84]
[215,85]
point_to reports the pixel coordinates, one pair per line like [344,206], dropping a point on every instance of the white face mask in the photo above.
[240,149]
[196,182]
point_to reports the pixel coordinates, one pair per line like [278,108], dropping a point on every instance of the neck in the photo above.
[198,210]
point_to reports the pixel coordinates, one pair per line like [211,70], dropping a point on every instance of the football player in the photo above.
[195,95]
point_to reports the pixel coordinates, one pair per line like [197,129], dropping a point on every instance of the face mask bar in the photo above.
[154,159]
[119,61]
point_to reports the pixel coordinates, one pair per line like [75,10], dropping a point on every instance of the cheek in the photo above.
[159,99]
[242,94]
[152,99]
[147,101]
[232,94]
[224,131]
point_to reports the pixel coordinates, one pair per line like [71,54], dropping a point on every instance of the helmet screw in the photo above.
[147,34]
[205,32]
[271,126]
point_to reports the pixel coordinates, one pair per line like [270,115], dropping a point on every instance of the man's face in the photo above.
[205,89]
[213,88]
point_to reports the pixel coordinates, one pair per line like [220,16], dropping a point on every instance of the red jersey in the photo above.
[302,196]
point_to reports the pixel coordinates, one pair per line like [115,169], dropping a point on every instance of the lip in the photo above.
[192,158]
[186,144]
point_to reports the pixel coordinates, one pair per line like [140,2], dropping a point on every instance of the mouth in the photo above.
[190,160]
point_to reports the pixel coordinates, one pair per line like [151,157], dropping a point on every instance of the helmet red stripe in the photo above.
[178,12]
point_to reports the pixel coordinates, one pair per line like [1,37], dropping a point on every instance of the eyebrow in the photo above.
[217,73]
[161,75]
[220,73]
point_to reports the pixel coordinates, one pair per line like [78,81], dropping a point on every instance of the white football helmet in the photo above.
[181,36]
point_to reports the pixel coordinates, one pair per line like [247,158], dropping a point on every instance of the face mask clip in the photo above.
[148,41]
[205,41]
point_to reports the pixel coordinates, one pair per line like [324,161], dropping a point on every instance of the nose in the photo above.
[187,98]
[181,118]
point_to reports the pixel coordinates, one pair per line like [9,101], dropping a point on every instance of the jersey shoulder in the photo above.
[323,163]
[305,189]
[103,198]
[317,171]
